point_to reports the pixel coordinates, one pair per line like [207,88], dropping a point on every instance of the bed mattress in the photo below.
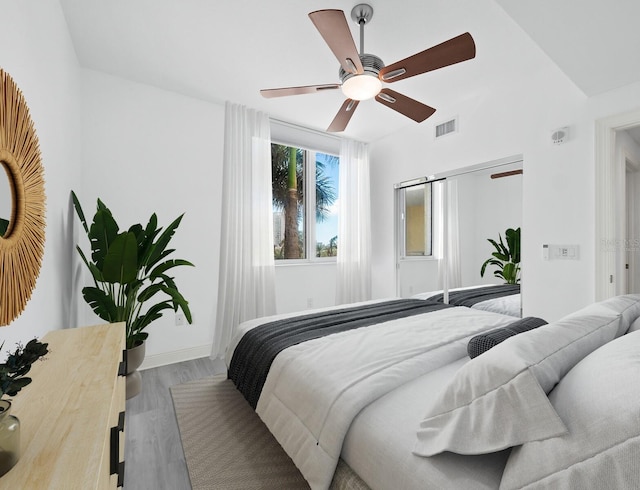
[315,389]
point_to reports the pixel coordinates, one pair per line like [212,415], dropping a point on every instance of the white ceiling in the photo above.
[228,50]
[595,42]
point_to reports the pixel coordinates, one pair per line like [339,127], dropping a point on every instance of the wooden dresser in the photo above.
[72,414]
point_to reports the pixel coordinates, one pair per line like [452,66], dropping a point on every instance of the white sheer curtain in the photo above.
[246,282]
[449,264]
[354,224]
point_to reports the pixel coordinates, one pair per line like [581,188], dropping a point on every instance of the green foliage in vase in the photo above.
[506,258]
[18,364]
[129,270]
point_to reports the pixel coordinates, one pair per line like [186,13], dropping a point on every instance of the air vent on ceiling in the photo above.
[447,127]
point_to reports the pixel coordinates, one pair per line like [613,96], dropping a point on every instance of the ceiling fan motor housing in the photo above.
[371,64]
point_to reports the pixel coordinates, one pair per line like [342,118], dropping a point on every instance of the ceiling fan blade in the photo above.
[455,50]
[334,29]
[343,116]
[308,89]
[405,105]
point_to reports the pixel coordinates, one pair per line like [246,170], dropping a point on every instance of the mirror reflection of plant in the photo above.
[129,269]
[506,257]
[18,363]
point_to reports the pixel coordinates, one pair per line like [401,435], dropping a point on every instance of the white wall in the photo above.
[147,150]
[301,287]
[513,112]
[36,50]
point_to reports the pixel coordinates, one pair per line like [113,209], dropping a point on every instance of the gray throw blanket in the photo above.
[469,297]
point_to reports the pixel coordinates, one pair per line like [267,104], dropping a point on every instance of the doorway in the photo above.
[632,227]
[615,204]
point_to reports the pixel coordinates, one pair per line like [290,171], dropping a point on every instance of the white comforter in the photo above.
[315,389]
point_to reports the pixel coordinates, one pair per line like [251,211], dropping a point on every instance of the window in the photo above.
[416,223]
[305,224]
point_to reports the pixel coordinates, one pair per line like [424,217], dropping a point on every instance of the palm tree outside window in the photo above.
[305,224]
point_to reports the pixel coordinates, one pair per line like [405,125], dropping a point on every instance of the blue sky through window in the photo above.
[328,228]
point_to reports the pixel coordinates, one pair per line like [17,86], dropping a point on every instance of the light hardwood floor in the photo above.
[153,452]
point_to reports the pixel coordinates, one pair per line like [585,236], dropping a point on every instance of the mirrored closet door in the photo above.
[449,225]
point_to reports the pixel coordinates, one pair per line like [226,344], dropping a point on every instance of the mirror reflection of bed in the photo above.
[443,224]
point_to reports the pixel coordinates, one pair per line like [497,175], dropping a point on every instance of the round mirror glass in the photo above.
[5,199]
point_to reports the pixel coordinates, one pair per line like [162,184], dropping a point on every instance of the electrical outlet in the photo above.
[180,319]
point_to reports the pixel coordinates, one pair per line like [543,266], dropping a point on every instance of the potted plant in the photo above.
[506,258]
[129,270]
[12,379]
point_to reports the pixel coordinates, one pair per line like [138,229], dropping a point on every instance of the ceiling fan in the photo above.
[361,75]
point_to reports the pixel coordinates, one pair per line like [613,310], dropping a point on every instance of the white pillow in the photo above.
[627,305]
[498,400]
[599,401]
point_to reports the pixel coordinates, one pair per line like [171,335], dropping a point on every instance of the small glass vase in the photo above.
[9,438]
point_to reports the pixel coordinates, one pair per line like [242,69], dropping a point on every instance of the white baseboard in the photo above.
[157,360]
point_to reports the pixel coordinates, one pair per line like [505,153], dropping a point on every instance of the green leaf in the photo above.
[489,262]
[137,230]
[503,249]
[102,304]
[15,385]
[179,301]
[165,266]
[151,231]
[159,247]
[121,262]
[79,212]
[494,243]
[513,241]
[103,231]
[510,273]
[152,314]
[169,282]
[95,272]
[149,292]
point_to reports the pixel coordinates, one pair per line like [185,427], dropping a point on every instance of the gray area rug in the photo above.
[227,446]
[225,443]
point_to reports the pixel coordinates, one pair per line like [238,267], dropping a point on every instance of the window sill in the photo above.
[419,258]
[298,263]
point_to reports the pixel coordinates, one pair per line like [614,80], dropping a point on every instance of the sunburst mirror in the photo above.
[22,202]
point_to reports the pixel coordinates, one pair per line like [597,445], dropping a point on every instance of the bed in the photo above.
[399,403]
[499,298]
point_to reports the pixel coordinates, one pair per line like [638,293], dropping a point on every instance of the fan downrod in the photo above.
[362,14]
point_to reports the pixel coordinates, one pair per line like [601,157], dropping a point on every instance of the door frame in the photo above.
[609,197]
[632,171]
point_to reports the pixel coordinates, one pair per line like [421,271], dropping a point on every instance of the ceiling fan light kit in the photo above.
[361,74]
